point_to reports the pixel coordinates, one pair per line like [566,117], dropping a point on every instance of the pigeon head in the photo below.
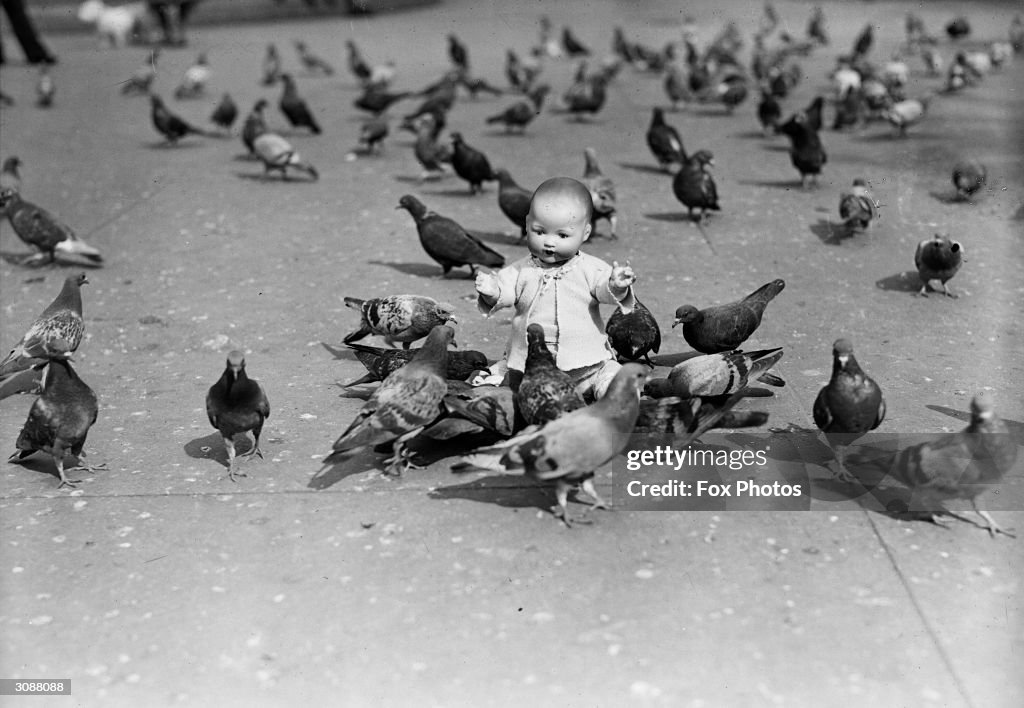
[201,59]
[260,105]
[456,138]
[8,196]
[842,352]
[859,182]
[686,314]
[628,382]
[236,362]
[981,407]
[704,157]
[657,116]
[77,280]
[11,163]
[412,205]
[287,79]
[155,100]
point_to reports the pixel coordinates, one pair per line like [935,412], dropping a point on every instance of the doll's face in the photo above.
[556,227]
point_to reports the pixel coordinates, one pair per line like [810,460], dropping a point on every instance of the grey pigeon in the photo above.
[295,108]
[717,374]
[446,241]
[850,405]
[399,318]
[664,141]
[59,420]
[43,231]
[513,200]
[406,402]
[545,392]
[255,125]
[10,178]
[602,192]
[969,176]
[56,333]
[381,362]
[237,404]
[635,335]
[470,164]
[225,113]
[694,186]
[168,124]
[277,154]
[521,113]
[938,258]
[723,328]
[311,61]
[857,207]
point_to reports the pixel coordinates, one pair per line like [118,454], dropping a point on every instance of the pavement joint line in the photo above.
[110,220]
[950,667]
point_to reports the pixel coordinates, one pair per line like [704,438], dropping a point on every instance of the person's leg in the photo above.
[593,384]
[25,32]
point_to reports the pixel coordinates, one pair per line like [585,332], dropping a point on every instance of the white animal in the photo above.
[115,25]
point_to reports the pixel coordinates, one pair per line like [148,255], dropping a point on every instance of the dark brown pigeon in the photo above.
[10,178]
[41,230]
[513,200]
[634,336]
[458,53]
[723,328]
[295,109]
[717,374]
[694,186]
[255,125]
[573,47]
[546,392]
[271,66]
[404,404]
[446,242]
[225,113]
[377,100]
[664,141]
[586,96]
[958,28]
[399,318]
[372,134]
[849,406]
[689,418]
[470,164]
[806,151]
[960,465]
[602,192]
[938,258]
[237,404]
[56,333]
[381,362]
[356,63]
[769,113]
[59,420]
[968,177]
[169,125]
[521,113]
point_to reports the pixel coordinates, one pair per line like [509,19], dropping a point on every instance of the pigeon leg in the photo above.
[613,220]
[599,503]
[255,449]
[842,474]
[947,293]
[229,445]
[993,528]
[401,458]
[561,510]
[64,481]
[923,292]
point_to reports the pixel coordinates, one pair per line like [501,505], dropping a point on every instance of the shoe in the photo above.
[44,59]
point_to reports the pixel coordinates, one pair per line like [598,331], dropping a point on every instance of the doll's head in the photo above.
[559,220]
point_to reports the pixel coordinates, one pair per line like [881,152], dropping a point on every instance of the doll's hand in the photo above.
[487,285]
[622,277]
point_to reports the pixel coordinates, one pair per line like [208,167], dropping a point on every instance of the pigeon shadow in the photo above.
[211,447]
[775,148]
[828,233]
[671,216]
[506,490]
[339,353]
[750,135]
[786,184]
[43,464]
[164,145]
[504,134]
[643,167]
[264,178]
[61,260]
[464,192]
[673,359]
[890,136]
[1016,428]
[424,270]
[244,157]
[949,198]
[349,466]
[906,282]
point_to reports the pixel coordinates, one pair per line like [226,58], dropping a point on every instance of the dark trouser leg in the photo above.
[25,32]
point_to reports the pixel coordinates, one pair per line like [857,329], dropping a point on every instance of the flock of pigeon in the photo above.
[544,428]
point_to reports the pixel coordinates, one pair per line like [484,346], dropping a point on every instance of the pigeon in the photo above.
[960,465]
[237,404]
[356,64]
[635,335]
[602,192]
[694,186]
[857,207]
[458,52]
[545,392]
[1017,34]
[399,318]
[573,46]
[586,96]
[569,449]
[520,74]
[404,404]
[474,409]
[812,115]
[56,333]
[446,241]
[381,75]
[372,134]
[521,113]
[686,419]
[932,61]
[193,83]
[10,178]
[721,374]
[513,200]
[313,63]
[723,328]
[377,100]
[769,113]
[295,108]
[664,141]
[59,420]
[676,86]
[225,113]
[276,153]
[142,79]
[732,91]
[431,154]
[816,27]
[381,362]
[806,151]
[40,229]
[255,125]
[969,176]
[439,98]
[958,28]
[906,113]
[470,164]
[866,38]
[172,127]
[477,85]
[45,88]
[849,406]
[938,258]
[849,110]
[271,66]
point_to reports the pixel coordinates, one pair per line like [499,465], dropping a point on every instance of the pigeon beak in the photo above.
[675,322]
[843,359]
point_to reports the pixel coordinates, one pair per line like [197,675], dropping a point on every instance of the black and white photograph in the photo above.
[442,353]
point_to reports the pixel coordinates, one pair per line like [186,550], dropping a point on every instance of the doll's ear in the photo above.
[587,229]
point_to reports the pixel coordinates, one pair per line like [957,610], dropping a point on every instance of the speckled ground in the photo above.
[160,582]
